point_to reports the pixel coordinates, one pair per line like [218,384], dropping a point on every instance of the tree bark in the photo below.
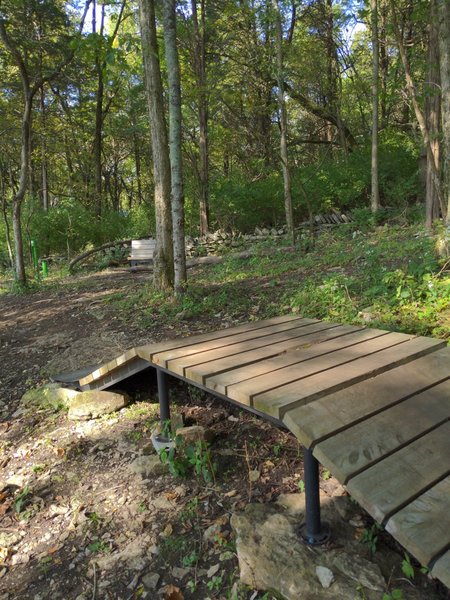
[176,166]
[97,150]
[163,275]
[203,110]
[443,7]
[283,124]
[375,194]
[432,111]
[29,92]
[435,177]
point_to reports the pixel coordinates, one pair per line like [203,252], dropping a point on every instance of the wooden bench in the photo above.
[372,406]
[142,252]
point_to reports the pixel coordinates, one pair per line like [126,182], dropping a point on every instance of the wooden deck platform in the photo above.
[372,406]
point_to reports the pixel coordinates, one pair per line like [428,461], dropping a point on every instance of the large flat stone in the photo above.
[51,395]
[94,404]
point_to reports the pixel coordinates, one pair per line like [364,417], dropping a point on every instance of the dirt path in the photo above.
[79,517]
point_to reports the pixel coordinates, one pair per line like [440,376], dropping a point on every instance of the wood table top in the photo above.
[373,405]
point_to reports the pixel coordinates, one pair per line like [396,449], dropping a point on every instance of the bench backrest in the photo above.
[142,249]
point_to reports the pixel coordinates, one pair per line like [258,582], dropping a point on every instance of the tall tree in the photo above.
[163,275]
[375,194]
[17,48]
[434,168]
[443,7]
[432,113]
[199,56]
[283,123]
[176,167]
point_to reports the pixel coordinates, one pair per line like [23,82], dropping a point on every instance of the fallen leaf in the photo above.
[4,507]
[213,570]
[172,592]
[231,493]
[59,451]
[168,529]
[54,549]
[3,554]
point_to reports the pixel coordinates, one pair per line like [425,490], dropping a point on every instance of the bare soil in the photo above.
[76,522]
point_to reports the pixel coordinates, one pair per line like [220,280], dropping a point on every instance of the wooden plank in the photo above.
[148,350]
[441,569]
[423,527]
[355,449]
[220,382]
[306,362]
[217,373]
[278,402]
[387,486]
[109,366]
[165,359]
[181,365]
[333,413]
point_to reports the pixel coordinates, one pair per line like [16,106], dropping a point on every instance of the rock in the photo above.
[272,557]
[345,508]
[210,532]
[180,573]
[8,539]
[151,580]
[359,569]
[148,465]
[94,403]
[194,433]
[51,395]
[325,576]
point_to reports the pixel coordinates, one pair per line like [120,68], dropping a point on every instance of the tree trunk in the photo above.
[375,194]
[432,111]
[203,111]
[163,257]
[97,151]
[384,63]
[283,124]
[176,167]
[417,110]
[444,49]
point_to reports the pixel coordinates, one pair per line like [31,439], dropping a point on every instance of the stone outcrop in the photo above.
[93,404]
[51,395]
[272,557]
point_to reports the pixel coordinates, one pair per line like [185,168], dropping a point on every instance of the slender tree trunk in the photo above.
[203,110]
[432,111]
[44,170]
[5,220]
[417,110]
[444,49]
[384,63]
[176,167]
[375,194]
[97,151]
[283,124]
[163,258]
[137,162]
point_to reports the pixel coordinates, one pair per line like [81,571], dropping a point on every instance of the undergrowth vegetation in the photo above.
[387,276]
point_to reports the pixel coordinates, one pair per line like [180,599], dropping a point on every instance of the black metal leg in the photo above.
[313,531]
[163,395]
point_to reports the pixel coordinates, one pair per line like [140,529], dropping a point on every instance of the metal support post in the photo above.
[313,531]
[163,395]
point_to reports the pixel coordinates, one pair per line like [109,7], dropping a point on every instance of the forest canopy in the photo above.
[283,109]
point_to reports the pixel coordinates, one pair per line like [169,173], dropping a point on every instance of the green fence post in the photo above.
[44,268]
[35,258]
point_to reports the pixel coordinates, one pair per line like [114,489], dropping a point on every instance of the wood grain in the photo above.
[303,337]
[335,412]
[314,360]
[423,527]
[362,445]
[277,402]
[148,350]
[388,485]
[220,381]
[441,569]
[253,338]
